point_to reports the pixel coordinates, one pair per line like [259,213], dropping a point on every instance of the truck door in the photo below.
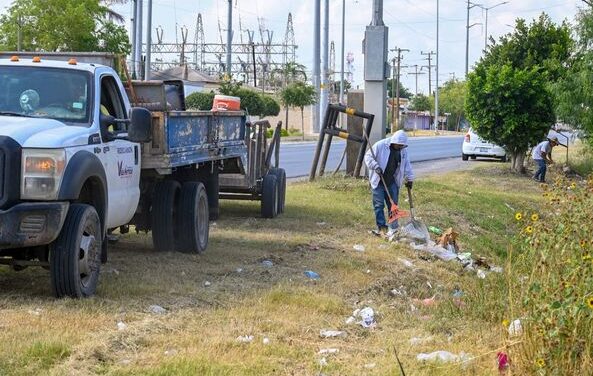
[121,158]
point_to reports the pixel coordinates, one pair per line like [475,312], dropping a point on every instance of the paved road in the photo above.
[296,157]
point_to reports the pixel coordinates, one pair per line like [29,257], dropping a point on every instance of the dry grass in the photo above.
[40,335]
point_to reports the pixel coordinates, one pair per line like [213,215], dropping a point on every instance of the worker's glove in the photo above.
[378,170]
[409,184]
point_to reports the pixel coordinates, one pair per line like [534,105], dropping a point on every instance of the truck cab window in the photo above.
[112,104]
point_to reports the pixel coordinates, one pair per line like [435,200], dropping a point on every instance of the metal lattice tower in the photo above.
[332,61]
[289,43]
[207,57]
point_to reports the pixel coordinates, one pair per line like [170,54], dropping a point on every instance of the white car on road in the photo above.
[474,146]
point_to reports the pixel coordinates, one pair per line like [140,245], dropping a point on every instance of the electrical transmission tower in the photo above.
[251,58]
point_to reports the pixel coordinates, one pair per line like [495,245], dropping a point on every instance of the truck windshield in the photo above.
[54,93]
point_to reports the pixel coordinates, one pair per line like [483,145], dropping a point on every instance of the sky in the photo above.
[412,26]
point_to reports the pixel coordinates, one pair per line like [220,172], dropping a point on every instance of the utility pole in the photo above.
[395,81]
[436,92]
[148,41]
[376,70]
[133,17]
[139,28]
[486,9]
[467,27]
[429,66]
[325,60]
[342,59]
[416,74]
[229,39]
[316,64]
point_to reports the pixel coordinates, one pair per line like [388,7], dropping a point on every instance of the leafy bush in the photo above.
[550,283]
[271,106]
[199,101]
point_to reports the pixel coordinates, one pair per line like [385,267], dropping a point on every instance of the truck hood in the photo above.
[43,133]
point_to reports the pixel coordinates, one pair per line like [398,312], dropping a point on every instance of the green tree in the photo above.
[452,100]
[509,100]
[421,102]
[298,94]
[61,25]
[199,101]
[404,92]
[574,96]
[289,73]
[271,106]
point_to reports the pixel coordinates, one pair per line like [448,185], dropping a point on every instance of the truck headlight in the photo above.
[42,171]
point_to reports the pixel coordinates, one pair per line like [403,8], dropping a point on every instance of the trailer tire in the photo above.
[75,256]
[269,197]
[164,208]
[193,217]
[281,177]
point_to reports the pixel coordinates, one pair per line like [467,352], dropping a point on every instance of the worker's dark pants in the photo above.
[380,199]
[540,174]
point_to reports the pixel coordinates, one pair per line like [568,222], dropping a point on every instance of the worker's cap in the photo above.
[554,140]
[399,138]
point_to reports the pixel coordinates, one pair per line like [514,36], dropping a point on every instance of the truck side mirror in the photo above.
[140,128]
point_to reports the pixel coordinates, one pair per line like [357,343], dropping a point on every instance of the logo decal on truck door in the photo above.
[124,171]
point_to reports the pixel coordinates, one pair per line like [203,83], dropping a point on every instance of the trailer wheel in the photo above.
[193,218]
[75,256]
[269,197]
[281,178]
[164,208]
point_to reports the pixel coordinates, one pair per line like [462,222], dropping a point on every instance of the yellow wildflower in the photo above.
[534,217]
[583,243]
[589,301]
[529,229]
[518,216]
[506,323]
[540,363]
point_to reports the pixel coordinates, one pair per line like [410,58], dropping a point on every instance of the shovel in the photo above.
[415,228]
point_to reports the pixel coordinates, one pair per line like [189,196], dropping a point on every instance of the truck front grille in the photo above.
[10,172]
[2,169]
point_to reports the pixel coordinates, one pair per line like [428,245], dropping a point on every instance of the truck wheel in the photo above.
[464,157]
[75,256]
[193,218]
[503,159]
[164,208]
[281,178]
[269,197]
[473,157]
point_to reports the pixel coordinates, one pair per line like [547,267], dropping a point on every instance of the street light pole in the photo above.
[467,27]
[436,92]
[342,60]
[486,9]
[316,65]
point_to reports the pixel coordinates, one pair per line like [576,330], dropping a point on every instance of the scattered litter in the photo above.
[368,271]
[313,247]
[328,351]
[350,320]
[323,362]
[367,316]
[449,240]
[321,223]
[428,284]
[245,339]
[207,284]
[266,341]
[496,269]
[415,341]
[325,333]
[457,293]
[267,263]
[406,263]
[510,207]
[398,292]
[370,365]
[35,312]
[157,309]
[503,361]
[214,224]
[481,274]
[435,230]
[435,250]
[170,352]
[312,275]
[358,247]
[442,356]
[515,328]
[428,302]
[239,270]
[121,326]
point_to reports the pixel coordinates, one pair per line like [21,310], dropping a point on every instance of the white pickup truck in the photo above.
[76,160]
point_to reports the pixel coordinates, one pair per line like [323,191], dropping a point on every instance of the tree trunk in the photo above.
[303,123]
[286,125]
[517,162]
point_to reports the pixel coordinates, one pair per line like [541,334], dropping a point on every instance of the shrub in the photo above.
[199,101]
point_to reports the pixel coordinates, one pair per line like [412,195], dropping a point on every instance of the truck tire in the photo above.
[464,157]
[75,256]
[193,218]
[281,178]
[269,196]
[164,211]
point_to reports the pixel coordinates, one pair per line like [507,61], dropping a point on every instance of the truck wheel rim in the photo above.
[87,257]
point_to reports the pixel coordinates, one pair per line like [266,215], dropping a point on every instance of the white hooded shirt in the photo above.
[382,150]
